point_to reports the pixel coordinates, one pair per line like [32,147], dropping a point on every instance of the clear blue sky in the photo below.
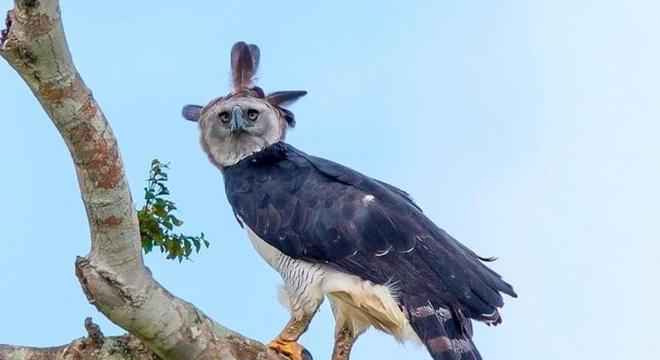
[527,129]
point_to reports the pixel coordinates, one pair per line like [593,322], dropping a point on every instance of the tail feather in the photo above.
[445,335]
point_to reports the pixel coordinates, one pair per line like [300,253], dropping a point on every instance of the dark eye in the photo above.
[224,117]
[252,114]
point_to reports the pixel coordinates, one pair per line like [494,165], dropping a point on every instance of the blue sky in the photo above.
[528,130]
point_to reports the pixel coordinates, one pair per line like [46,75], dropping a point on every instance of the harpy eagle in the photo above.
[333,232]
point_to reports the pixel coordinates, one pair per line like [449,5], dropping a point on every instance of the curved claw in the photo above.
[291,349]
[306,355]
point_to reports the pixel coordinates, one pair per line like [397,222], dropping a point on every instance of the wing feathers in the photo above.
[318,211]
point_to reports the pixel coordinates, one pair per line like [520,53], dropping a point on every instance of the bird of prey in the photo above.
[332,232]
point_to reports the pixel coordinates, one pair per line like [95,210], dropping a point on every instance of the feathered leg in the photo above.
[344,340]
[347,328]
[302,293]
[287,341]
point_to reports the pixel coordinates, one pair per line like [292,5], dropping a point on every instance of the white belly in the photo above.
[355,302]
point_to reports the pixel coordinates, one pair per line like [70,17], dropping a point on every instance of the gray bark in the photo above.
[94,346]
[113,276]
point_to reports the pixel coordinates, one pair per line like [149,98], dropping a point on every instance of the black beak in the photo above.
[237,122]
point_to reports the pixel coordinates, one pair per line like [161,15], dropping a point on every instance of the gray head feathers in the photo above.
[244,65]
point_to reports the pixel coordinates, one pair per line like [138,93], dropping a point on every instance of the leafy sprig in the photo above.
[157,221]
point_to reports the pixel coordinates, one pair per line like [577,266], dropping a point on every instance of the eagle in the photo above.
[332,232]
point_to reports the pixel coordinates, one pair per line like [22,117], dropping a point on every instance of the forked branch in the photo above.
[112,275]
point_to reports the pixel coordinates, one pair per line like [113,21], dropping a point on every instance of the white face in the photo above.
[235,128]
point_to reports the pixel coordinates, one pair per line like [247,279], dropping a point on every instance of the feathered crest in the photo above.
[285,98]
[244,64]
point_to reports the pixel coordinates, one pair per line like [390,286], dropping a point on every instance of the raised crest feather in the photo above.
[285,98]
[191,112]
[245,60]
[244,64]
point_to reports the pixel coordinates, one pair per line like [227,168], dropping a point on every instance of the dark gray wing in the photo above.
[314,209]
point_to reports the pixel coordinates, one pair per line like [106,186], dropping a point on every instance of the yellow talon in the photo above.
[290,348]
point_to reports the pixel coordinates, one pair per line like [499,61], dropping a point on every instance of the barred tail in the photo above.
[446,334]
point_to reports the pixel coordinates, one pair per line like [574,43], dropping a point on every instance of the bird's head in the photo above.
[246,120]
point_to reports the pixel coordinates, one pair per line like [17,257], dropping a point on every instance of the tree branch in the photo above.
[112,275]
[93,347]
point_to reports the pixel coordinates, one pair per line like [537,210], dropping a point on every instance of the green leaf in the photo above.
[157,221]
[176,221]
[197,244]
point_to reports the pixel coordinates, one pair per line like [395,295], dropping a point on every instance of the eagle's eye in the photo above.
[224,117]
[252,114]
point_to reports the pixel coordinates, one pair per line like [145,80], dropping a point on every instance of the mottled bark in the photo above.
[112,275]
[93,347]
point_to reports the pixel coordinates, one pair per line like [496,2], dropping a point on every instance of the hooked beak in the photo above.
[237,122]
